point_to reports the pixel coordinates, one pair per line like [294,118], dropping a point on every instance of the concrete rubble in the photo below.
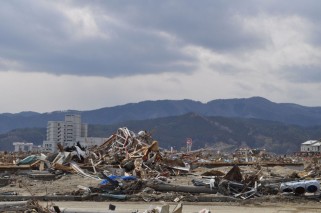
[134,167]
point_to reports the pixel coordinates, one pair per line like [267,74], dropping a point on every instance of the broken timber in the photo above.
[14,167]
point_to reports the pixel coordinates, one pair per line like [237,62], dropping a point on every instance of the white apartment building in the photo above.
[67,132]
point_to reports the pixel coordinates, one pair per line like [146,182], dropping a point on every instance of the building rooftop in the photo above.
[310,142]
[318,143]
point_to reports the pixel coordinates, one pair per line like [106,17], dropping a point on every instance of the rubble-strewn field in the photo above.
[131,167]
[68,183]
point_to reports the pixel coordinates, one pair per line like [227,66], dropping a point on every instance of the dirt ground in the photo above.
[68,183]
[189,207]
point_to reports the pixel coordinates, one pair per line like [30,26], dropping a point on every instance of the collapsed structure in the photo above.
[130,166]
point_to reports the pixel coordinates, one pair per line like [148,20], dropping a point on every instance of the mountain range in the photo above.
[255,122]
[255,107]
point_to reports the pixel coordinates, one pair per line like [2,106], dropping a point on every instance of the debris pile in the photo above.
[130,166]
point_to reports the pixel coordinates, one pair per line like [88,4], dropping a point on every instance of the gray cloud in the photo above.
[40,38]
[129,37]
[305,74]
[208,23]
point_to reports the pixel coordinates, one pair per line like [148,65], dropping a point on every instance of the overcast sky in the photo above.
[84,55]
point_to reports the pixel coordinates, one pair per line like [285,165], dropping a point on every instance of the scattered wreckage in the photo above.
[133,167]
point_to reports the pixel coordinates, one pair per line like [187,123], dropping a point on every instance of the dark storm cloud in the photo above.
[212,24]
[39,36]
[111,58]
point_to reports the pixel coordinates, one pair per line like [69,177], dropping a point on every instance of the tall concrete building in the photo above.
[67,132]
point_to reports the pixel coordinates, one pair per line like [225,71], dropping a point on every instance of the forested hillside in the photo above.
[255,107]
[204,130]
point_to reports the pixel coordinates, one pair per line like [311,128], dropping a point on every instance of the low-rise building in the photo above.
[26,147]
[22,146]
[91,141]
[311,146]
[248,154]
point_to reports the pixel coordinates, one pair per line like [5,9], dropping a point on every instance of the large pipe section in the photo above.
[301,187]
